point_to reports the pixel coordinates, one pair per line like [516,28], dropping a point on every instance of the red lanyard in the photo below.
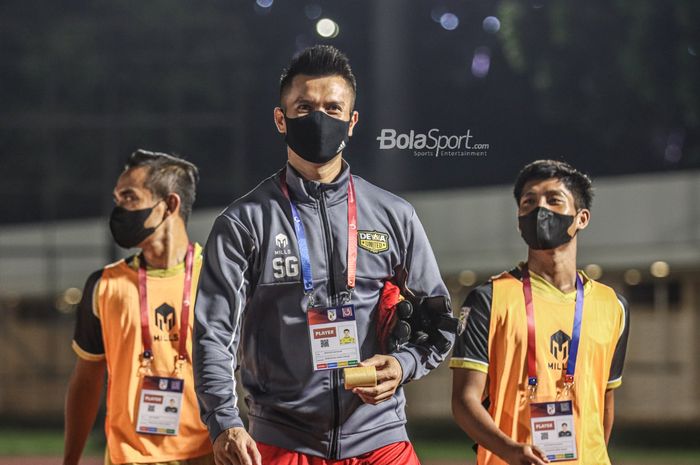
[301,236]
[184,314]
[352,233]
[531,343]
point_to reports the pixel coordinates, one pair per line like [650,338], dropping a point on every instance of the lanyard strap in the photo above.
[184,313]
[531,342]
[307,276]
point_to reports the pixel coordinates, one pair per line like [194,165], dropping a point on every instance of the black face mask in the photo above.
[544,229]
[127,226]
[317,137]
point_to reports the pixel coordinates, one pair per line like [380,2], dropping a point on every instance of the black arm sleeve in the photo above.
[621,348]
[472,346]
[88,331]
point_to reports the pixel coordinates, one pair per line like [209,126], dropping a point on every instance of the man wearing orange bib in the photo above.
[542,346]
[135,320]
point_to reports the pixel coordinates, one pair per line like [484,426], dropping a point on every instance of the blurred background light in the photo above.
[327,28]
[674,146]
[467,278]
[481,62]
[633,277]
[449,21]
[660,269]
[491,24]
[66,302]
[72,295]
[594,271]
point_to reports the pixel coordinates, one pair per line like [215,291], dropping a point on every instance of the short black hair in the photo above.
[319,60]
[577,182]
[168,174]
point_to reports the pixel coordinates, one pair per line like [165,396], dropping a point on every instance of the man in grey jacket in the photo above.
[293,264]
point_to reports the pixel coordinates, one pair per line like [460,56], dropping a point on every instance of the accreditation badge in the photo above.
[160,402]
[552,428]
[333,336]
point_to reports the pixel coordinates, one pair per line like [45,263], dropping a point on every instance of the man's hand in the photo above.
[235,447]
[389,375]
[525,454]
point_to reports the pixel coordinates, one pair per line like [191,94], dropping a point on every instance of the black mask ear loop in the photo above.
[574,222]
[165,217]
[157,226]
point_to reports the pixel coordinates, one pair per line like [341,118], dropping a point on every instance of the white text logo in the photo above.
[432,144]
[285,266]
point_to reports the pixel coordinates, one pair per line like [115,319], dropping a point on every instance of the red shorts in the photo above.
[399,453]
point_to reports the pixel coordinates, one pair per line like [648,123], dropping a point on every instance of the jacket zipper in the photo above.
[329,248]
[335,375]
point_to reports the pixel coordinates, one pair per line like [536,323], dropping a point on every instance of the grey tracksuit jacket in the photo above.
[251,314]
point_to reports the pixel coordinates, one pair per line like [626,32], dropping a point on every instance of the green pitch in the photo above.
[32,442]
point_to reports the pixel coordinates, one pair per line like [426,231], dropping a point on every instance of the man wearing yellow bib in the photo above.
[135,321]
[542,345]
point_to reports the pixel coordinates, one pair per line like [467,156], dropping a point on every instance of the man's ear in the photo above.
[353,121]
[583,218]
[278,115]
[172,203]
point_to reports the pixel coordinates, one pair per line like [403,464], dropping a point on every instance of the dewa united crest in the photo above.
[373,241]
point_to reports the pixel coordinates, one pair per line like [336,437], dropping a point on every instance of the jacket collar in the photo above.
[304,191]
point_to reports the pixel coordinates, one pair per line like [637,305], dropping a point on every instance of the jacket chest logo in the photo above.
[284,263]
[373,241]
[281,241]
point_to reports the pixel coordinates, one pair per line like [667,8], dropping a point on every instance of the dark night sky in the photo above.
[612,89]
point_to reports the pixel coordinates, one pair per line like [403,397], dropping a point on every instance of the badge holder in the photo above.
[333,337]
[552,429]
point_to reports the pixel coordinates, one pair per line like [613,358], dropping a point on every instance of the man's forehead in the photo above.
[133,178]
[315,88]
[540,186]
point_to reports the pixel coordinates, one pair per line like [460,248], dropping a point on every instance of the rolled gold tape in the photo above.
[360,377]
